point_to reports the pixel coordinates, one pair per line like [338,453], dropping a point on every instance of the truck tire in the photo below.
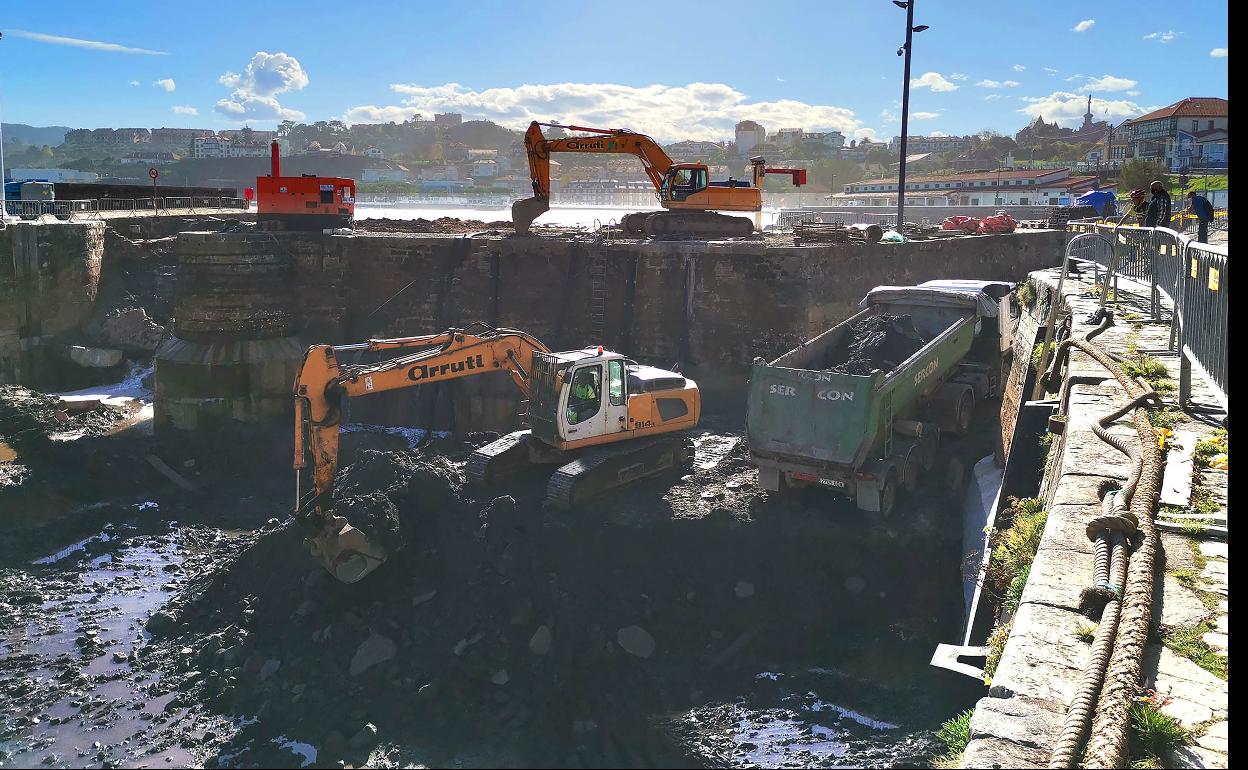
[955,474]
[965,409]
[888,494]
[910,469]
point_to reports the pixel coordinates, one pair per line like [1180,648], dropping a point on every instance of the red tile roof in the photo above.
[1191,107]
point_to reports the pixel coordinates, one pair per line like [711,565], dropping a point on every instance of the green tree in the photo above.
[1139,173]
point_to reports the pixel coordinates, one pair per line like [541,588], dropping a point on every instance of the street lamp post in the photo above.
[908,5]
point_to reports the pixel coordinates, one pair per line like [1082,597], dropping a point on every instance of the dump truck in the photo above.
[860,409]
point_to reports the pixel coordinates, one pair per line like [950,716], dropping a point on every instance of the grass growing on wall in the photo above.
[1153,734]
[1013,551]
[954,734]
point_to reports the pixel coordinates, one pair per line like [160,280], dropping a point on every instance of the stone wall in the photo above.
[710,308]
[49,279]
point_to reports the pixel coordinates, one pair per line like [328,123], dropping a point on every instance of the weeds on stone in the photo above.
[1015,548]
[1036,353]
[996,648]
[1165,418]
[954,734]
[1153,734]
[1014,593]
[1189,642]
[1188,578]
[1208,448]
[1151,370]
[1046,441]
[1086,632]
[1195,527]
[1025,293]
[1204,502]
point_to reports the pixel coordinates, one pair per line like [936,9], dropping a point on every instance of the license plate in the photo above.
[831,483]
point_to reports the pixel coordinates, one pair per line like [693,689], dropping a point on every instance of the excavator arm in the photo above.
[655,161]
[322,384]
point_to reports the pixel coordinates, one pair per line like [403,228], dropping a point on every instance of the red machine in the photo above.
[306,202]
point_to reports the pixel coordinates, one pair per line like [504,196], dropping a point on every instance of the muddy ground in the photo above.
[692,621]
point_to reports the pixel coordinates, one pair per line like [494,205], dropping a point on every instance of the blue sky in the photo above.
[675,70]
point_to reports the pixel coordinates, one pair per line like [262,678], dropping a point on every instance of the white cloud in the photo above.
[1011,84]
[1067,108]
[989,84]
[958,76]
[75,42]
[992,97]
[256,89]
[1085,25]
[1107,83]
[924,115]
[1050,70]
[135,83]
[693,111]
[183,109]
[934,81]
[1133,93]
[166,83]
[1219,53]
[1019,67]
[1163,37]
[1073,78]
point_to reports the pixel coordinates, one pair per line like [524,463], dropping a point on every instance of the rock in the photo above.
[539,643]
[373,650]
[131,330]
[743,590]
[501,677]
[636,641]
[1180,606]
[366,738]
[161,623]
[94,358]
[269,668]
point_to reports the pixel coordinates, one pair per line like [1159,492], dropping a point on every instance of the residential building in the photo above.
[442,173]
[692,149]
[179,137]
[932,144]
[788,136]
[749,136]
[209,146]
[1021,187]
[1178,133]
[248,135]
[833,139]
[374,152]
[448,119]
[49,175]
[239,149]
[148,158]
[485,167]
[396,174]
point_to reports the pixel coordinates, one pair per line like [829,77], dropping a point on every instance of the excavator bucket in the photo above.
[524,211]
[345,551]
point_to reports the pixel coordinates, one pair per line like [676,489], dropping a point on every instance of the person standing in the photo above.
[1203,209]
[1159,206]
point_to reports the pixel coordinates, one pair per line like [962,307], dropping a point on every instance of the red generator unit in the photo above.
[306,202]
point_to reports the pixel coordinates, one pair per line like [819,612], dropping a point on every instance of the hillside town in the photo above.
[446,155]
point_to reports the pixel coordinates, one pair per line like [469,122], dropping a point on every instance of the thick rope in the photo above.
[1112,675]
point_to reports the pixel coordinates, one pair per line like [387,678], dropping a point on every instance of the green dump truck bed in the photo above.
[827,425]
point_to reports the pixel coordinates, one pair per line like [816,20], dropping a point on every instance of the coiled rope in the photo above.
[1123,583]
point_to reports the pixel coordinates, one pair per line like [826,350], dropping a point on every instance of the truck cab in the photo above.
[585,397]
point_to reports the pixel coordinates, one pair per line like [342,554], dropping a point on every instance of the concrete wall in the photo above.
[709,307]
[934,214]
[49,278]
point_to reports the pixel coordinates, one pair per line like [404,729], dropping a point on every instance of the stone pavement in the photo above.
[1048,646]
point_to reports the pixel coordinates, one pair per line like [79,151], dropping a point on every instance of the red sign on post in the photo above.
[153,173]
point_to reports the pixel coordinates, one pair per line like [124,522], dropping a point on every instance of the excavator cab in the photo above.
[683,180]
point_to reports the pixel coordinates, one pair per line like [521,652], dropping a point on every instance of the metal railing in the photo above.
[66,210]
[790,217]
[1191,276]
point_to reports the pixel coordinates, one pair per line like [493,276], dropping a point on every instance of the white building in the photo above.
[375,152]
[397,174]
[210,147]
[485,168]
[749,136]
[50,175]
[789,136]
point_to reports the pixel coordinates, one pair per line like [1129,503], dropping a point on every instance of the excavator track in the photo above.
[696,224]
[599,470]
[499,459]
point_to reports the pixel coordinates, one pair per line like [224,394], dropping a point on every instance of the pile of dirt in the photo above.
[29,418]
[881,341]
[502,621]
[421,225]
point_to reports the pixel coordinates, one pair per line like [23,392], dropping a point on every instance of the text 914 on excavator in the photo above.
[691,200]
[600,419]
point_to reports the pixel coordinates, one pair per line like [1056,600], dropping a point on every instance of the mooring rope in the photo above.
[1125,584]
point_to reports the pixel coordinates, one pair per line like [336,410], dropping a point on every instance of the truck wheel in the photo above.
[929,451]
[966,406]
[910,471]
[955,473]
[888,494]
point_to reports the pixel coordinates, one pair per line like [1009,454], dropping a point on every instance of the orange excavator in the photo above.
[601,419]
[683,189]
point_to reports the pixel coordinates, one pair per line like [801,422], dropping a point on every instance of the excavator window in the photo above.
[586,395]
[615,372]
[684,182]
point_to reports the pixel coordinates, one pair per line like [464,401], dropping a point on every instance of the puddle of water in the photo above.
[413,436]
[78,704]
